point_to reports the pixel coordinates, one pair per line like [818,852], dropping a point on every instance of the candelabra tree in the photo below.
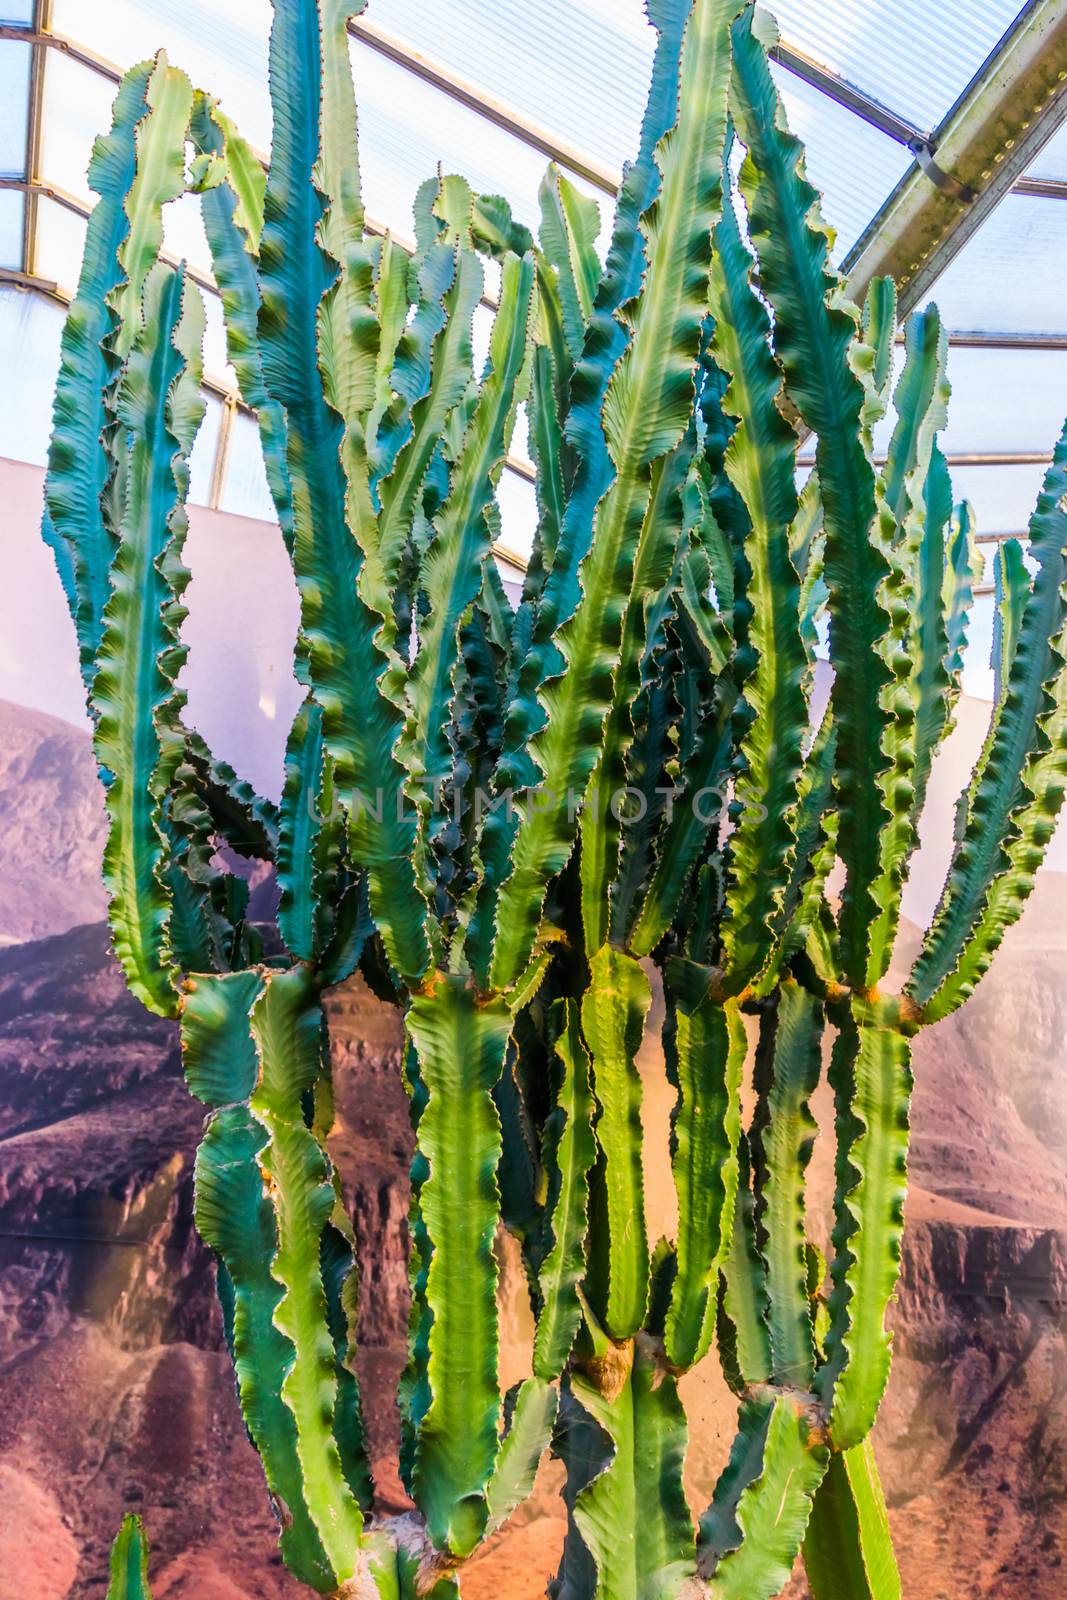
[513,818]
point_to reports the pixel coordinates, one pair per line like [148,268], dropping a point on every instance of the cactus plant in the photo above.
[513,819]
[129,1562]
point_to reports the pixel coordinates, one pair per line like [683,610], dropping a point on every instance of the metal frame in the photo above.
[963,169]
[979,154]
[36,189]
[42,16]
[972,458]
[978,339]
[847,94]
[1042,188]
[486,105]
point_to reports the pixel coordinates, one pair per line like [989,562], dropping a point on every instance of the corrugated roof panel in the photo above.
[1052,161]
[15,60]
[183,232]
[1009,276]
[853,164]
[915,57]
[77,107]
[579,68]
[1005,400]
[408,128]
[202,460]
[1003,497]
[222,47]
[60,244]
[12,207]
[245,491]
[30,331]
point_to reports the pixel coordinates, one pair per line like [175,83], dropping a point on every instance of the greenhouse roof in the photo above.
[934,132]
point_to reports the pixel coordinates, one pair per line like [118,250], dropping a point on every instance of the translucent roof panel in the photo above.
[245,491]
[1051,162]
[1005,401]
[1022,243]
[12,210]
[408,127]
[30,330]
[588,90]
[77,107]
[853,164]
[1003,497]
[222,47]
[578,68]
[60,244]
[183,232]
[202,460]
[216,364]
[914,56]
[518,513]
[14,103]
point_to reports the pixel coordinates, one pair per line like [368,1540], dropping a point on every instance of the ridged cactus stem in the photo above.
[128,1566]
[522,824]
[460,1045]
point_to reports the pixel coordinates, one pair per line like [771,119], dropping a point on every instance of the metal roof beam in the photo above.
[973,458]
[980,152]
[980,339]
[35,190]
[485,104]
[108,69]
[42,16]
[1042,188]
[847,94]
[231,401]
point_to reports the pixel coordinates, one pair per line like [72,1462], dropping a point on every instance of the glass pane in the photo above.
[916,58]
[216,365]
[202,461]
[12,209]
[1003,497]
[19,13]
[77,107]
[408,128]
[30,331]
[1005,400]
[1022,243]
[222,48]
[977,662]
[578,68]
[1052,161]
[183,233]
[14,106]
[518,513]
[852,164]
[60,244]
[245,492]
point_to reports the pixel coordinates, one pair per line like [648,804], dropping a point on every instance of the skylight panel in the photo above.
[15,60]
[913,56]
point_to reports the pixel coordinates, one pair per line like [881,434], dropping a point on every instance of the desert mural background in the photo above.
[115,1389]
[115,1392]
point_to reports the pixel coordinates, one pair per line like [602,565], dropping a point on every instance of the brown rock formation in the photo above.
[115,1392]
[51,826]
